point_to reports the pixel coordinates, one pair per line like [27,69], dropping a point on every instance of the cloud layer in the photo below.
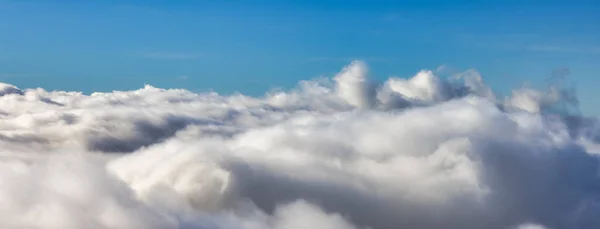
[423,152]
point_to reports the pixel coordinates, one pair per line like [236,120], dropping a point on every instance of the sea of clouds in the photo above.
[340,153]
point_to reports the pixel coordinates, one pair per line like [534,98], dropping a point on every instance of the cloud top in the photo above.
[340,153]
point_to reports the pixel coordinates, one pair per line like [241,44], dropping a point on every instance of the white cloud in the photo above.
[6,89]
[530,226]
[423,152]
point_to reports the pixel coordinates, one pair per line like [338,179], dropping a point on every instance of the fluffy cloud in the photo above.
[348,153]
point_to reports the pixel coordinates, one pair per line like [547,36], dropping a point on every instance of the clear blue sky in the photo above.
[251,46]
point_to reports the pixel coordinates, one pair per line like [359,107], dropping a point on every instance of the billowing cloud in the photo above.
[346,153]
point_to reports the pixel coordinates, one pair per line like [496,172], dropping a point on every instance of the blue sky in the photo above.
[251,46]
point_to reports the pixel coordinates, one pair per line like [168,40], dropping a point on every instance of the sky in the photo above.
[254,46]
[418,149]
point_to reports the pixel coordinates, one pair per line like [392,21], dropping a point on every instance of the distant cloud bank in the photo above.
[341,153]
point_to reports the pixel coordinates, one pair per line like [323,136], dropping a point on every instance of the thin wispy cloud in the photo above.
[347,59]
[11,75]
[556,48]
[392,17]
[530,42]
[133,8]
[6,75]
[183,77]
[171,55]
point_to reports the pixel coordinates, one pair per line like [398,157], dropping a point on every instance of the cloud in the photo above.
[530,226]
[171,55]
[531,42]
[340,153]
[347,59]
[183,77]
[573,49]
[12,75]
[393,18]
[6,89]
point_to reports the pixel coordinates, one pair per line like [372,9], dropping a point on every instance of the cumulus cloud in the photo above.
[341,153]
[6,89]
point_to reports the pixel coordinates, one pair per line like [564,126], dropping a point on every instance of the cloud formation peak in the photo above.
[345,153]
